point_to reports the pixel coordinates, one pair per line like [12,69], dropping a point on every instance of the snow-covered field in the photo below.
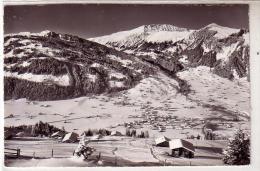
[211,97]
[121,151]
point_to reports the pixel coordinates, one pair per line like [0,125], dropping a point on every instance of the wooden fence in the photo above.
[12,152]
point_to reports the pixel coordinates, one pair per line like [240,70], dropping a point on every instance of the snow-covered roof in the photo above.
[161,139]
[180,143]
[20,134]
[72,136]
[58,133]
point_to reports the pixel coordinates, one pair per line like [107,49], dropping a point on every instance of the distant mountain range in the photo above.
[225,50]
[53,66]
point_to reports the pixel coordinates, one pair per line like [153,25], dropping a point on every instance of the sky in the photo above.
[92,20]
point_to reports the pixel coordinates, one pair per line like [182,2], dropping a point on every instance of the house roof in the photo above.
[180,143]
[20,134]
[70,136]
[58,133]
[161,139]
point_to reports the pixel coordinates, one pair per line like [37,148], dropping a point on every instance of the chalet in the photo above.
[162,141]
[180,147]
[70,137]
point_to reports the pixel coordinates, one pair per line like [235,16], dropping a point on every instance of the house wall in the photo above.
[163,144]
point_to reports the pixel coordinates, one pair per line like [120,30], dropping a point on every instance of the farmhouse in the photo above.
[162,141]
[181,147]
[70,137]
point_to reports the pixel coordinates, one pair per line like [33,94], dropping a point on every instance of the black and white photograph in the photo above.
[122,85]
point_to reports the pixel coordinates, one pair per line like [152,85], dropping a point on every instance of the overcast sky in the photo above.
[96,20]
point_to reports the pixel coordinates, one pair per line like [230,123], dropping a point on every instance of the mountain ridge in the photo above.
[225,49]
[53,66]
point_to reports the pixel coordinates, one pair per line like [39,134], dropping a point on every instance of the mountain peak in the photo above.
[45,33]
[220,31]
[213,25]
[162,27]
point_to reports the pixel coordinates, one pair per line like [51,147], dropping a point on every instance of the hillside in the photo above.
[52,66]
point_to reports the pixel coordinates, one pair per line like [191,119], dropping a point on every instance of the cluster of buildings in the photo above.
[73,137]
[163,122]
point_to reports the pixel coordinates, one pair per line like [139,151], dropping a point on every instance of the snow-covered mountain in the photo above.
[194,74]
[157,33]
[48,66]
[225,50]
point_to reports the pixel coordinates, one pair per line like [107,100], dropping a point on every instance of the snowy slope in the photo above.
[120,36]
[208,88]
[221,32]
[163,36]
[147,33]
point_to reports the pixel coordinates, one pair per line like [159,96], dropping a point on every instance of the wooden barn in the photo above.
[181,148]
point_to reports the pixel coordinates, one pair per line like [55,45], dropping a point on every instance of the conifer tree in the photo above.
[238,150]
